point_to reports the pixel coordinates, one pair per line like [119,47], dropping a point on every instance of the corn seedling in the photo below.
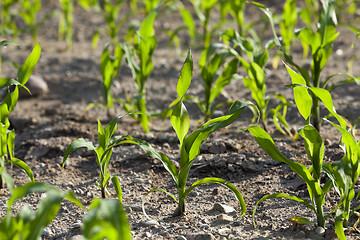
[106,141]
[314,148]
[138,57]
[211,63]
[236,9]
[202,9]
[190,145]
[106,219]
[344,174]
[29,13]
[255,80]
[7,105]
[66,22]
[320,43]
[110,11]
[29,224]
[109,68]
[7,23]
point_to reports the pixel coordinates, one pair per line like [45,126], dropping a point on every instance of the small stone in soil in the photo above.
[46,232]
[77,224]
[223,208]
[319,230]
[200,236]
[149,222]
[224,219]
[181,237]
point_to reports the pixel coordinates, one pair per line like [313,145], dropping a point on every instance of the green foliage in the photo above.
[190,145]
[315,149]
[138,55]
[106,219]
[319,39]
[7,105]
[66,22]
[216,72]
[29,13]
[29,224]
[110,11]
[7,23]
[254,65]
[106,141]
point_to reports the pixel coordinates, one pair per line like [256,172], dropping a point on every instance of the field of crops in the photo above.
[196,119]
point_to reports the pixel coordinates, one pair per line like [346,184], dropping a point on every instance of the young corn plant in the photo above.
[314,148]
[29,224]
[109,68]
[29,13]
[190,144]
[106,219]
[320,41]
[254,66]
[7,105]
[138,55]
[106,141]
[66,22]
[110,11]
[344,175]
[203,9]
[211,62]
[7,23]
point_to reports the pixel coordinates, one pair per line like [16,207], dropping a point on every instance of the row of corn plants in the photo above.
[105,218]
[308,92]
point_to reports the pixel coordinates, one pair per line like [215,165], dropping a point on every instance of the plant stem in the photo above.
[315,112]
[181,205]
[319,211]
[103,192]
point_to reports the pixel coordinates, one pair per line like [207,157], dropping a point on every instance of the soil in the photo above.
[46,125]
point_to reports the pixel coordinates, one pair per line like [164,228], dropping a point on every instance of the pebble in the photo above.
[224,230]
[76,224]
[46,232]
[77,237]
[89,194]
[218,113]
[149,222]
[181,237]
[320,230]
[223,208]
[206,226]
[36,85]
[224,219]
[147,234]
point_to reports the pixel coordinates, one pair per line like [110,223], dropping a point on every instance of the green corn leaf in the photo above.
[111,128]
[223,183]
[224,79]
[300,220]
[23,166]
[302,98]
[101,135]
[339,227]
[28,67]
[116,182]
[281,195]
[352,150]
[106,219]
[6,82]
[189,22]
[79,143]
[11,143]
[325,97]
[266,143]
[185,76]
[314,148]
[169,166]
[180,121]
[146,28]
